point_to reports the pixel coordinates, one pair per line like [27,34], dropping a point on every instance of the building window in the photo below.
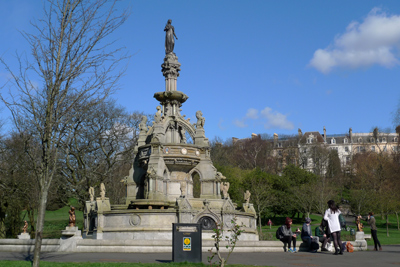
[333,141]
[279,144]
[335,148]
[310,140]
[372,140]
[360,149]
[347,160]
[383,139]
[345,140]
[360,140]
[373,148]
[395,139]
[346,149]
[280,152]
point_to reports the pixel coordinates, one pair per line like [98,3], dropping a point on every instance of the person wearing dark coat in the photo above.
[322,234]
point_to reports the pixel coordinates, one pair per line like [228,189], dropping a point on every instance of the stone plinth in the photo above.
[71,232]
[24,236]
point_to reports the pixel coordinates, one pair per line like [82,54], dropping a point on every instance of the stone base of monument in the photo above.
[360,240]
[24,236]
[69,237]
[71,232]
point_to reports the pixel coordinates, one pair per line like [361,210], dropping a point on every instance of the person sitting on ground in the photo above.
[306,235]
[288,236]
[324,238]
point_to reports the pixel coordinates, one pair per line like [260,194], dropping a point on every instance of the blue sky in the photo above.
[256,66]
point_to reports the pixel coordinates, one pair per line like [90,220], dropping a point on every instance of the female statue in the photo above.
[169,37]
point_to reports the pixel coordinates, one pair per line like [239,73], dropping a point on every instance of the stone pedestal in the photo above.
[360,236]
[360,244]
[71,232]
[24,236]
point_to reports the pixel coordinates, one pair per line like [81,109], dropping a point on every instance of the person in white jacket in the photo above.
[332,216]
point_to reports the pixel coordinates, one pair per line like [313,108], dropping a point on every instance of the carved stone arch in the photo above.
[187,127]
[195,178]
[196,170]
[199,218]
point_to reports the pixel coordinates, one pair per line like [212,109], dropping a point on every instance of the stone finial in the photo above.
[224,189]
[157,117]
[102,191]
[91,193]
[247,195]
[25,228]
[72,217]
[200,120]
[300,132]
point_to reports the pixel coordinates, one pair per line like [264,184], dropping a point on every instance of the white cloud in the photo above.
[252,113]
[240,123]
[374,41]
[270,119]
[276,120]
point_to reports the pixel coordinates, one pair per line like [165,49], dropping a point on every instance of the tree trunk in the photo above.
[39,227]
[2,224]
[259,222]
[387,225]
[397,217]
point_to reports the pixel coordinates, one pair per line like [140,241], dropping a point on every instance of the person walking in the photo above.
[372,223]
[288,236]
[332,216]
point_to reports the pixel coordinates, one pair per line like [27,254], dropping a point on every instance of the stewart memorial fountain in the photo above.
[172,179]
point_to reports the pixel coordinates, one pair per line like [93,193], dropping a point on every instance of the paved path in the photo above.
[390,256]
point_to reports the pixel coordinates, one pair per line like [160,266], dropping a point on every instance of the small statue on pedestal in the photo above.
[102,191]
[91,193]
[247,195]
[359,224]
[25,228]
[200,120]
[224,189]
[72,217]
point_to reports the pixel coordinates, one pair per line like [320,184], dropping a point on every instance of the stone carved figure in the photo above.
[102,191]
[169,37]
[219,176]
[157,117]
[359,224]
[200,120]
[72,217]
[25,228]
[247,195]
[143,125]
[91,193]
[224,189]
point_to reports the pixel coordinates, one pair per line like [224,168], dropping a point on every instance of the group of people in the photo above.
[329,230]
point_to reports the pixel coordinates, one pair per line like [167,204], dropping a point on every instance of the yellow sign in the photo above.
[187,244]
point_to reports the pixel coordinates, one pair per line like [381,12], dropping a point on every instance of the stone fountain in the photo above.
[172,179]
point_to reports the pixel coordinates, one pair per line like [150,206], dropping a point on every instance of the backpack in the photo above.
[279,233]
[342,221]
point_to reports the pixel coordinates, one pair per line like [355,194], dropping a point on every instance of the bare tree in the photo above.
[75,65]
